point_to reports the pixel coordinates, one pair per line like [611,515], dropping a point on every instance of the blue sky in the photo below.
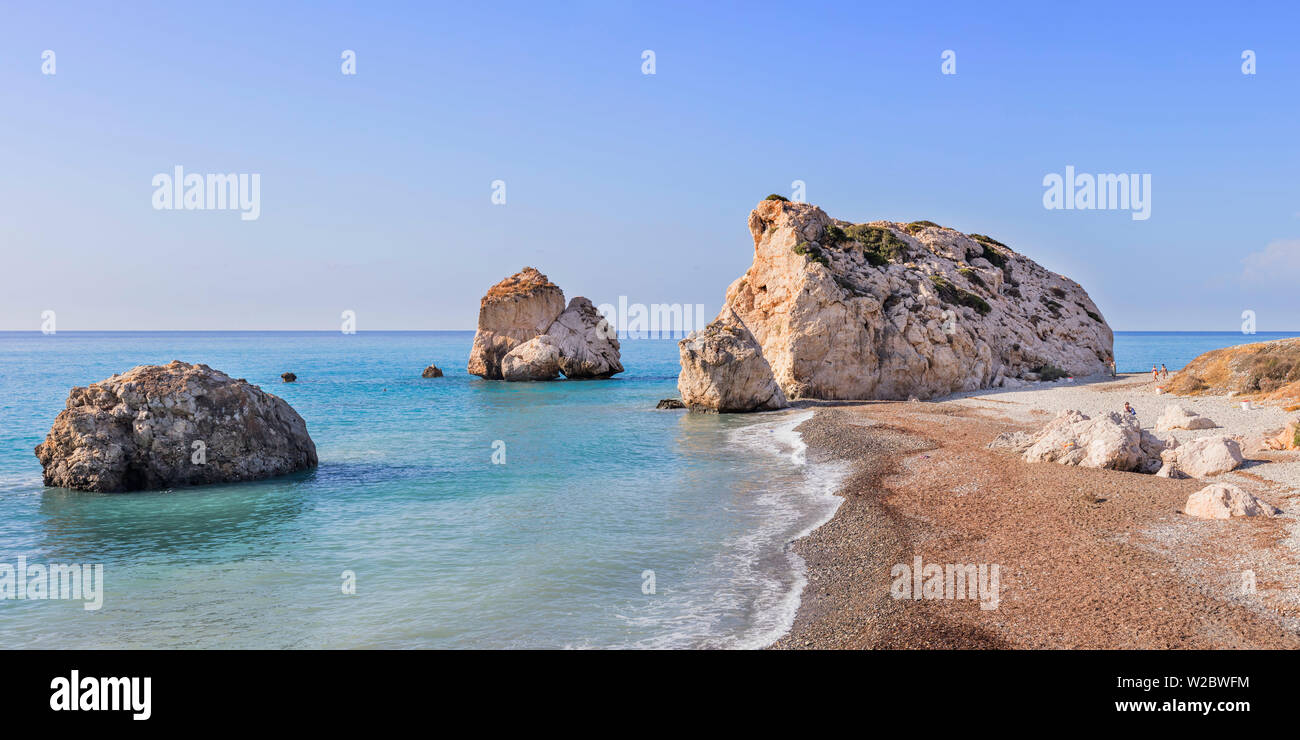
[376,188]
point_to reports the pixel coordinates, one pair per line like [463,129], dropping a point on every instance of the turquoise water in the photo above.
[448,549]
[1137,351]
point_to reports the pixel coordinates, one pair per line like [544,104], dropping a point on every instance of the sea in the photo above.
[450,512]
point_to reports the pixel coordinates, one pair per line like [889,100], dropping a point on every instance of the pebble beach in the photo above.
[1088,558]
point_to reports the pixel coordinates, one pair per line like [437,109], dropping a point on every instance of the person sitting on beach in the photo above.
[1129,409]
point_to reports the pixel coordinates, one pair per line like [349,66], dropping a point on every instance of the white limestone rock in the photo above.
[1113,441]
[1206,456]
[536,359]
[1225,501]
[512,312]
[587,343]
[1177,417]
[723,370]
[890,310]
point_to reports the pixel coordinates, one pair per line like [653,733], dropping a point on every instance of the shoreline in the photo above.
[813,502]
[1088,558]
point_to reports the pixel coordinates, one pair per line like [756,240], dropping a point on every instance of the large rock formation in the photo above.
[588,345]
[161,426]
[723,370]
[891,310]
[514,310]
[526,333]
[1264,370]
[1224,501]
[1112,441]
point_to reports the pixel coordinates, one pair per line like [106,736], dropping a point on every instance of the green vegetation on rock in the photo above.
[972,276]
[812,252]
[1050,372]
[949,293]
[878,244]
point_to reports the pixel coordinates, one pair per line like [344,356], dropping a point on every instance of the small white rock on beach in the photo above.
[1224,501]
[1177,417]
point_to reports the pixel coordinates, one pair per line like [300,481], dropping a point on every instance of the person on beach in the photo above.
[1112,367]
[1129,409]
[1155,374]
[1164,370]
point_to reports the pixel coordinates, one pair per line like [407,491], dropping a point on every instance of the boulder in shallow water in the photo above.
[723,370]
[526,306]
[1225,501]
[536,359]
[512,312]
[162,426]
[432,371]
[670,403]
[288,377]
[587,343]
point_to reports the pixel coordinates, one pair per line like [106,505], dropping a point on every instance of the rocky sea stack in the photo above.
[526,333]
[163,426]
[889,310]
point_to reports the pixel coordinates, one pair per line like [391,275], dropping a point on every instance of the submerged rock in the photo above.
[432,371]
[723,370]
[1225,501]
[519,311]
[891,310]
[161,426]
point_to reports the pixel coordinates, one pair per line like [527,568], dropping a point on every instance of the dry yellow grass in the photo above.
[1263,370]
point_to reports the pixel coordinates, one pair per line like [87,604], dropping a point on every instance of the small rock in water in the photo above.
[670,403]
[288,377]
[432,371]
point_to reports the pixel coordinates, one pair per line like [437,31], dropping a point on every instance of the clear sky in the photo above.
[376,187]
